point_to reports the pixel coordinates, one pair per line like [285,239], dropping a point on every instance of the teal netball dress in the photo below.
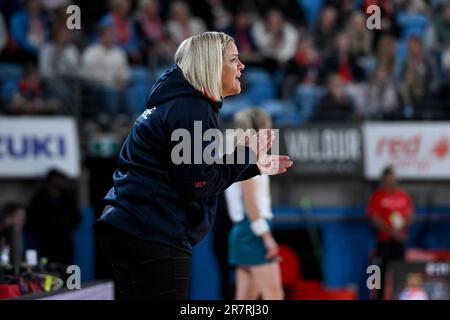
[246,248]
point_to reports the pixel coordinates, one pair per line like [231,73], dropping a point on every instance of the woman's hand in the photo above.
[271,246]
[259,142]
[273,164]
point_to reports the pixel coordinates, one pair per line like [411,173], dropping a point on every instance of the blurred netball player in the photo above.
[252,248]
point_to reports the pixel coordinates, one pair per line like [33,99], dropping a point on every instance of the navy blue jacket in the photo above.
[154,199]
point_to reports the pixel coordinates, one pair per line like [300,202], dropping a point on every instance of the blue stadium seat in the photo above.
[276,108]
[368,64]
[256,75]
[232,105]
[306,99]
[411,23]
[140,74]
[283,113]
[10,74]
[136,97]
[312,9]
[159,71]
[260,86]
[10,71]
[258,93]
[7,90]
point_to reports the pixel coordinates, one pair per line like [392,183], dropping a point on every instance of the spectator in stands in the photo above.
[302,69]
[345,9]
[381,97]
[55,4]
[361,38]
[56,9]
[52,217]
[59,58]
[385,54]
[204,10]
[342,62]
[252,247]
[418,80]
[325,30]
[222,15]
[59,63]
[275,38]
[29,31]
[335,106]
[12,215]
[391,211]
[32,95]
[293,12]
[182,24]
[105,68]
[443,27]
[125,35]
[413,19]
[241,30]
[12,222]
[159,49]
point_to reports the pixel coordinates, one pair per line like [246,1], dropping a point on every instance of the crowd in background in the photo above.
[313,60]
[306,61]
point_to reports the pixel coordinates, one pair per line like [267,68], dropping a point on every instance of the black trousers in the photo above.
[145,269]
[388,252]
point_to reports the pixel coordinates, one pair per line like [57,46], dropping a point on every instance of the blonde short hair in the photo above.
[252,118]
[200,58]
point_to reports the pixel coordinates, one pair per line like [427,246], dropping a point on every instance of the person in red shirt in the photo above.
[391,211]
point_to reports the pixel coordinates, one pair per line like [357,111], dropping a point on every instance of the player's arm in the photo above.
[379,223]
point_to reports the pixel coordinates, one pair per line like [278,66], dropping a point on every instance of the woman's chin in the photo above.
[232,93]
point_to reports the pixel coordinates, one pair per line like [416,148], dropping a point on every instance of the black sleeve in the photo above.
[198,179]
[251,171]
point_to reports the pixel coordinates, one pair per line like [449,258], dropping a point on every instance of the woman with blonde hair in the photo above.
[252,247]
[160,207]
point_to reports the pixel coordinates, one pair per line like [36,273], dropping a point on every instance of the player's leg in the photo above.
[245,285]
[268,280]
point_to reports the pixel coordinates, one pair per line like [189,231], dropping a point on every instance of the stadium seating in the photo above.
[298,288]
